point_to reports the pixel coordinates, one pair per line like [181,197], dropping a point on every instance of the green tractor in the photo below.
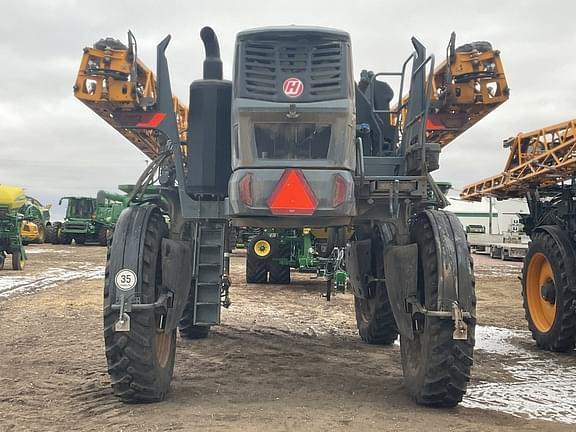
[11,200]
[35,222]
[89,219]
[272,253]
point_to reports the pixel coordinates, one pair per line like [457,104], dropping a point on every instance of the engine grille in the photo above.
[75,226]
[265,66]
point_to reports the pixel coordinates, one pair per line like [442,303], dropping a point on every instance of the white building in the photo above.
[504,213]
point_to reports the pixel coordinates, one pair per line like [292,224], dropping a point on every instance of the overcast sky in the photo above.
[53,145]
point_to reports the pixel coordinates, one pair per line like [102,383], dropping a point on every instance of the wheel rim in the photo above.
[541,292]
[262,248]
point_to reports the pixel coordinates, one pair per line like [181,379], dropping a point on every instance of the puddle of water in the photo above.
[35,250]
[17,285]
[496,340]
[541,387]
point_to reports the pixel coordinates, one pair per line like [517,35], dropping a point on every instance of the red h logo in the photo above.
[293,87]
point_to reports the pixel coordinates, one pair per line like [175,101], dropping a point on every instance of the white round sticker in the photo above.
[125,279]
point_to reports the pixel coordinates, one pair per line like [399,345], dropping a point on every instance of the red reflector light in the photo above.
[139,120]
[293,195]
[151,122]
[245,187]
[340,189]
[434,123]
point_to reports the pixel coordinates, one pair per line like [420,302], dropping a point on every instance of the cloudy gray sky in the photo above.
[53,145]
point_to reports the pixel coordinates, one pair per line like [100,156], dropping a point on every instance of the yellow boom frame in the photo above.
[113,80]
[538,159]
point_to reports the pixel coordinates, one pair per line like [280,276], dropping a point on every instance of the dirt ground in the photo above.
[283,359]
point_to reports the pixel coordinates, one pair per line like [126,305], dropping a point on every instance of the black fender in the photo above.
[125,254]
[127,242]
[455,277]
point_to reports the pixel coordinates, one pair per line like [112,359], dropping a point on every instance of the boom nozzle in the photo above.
[212,63]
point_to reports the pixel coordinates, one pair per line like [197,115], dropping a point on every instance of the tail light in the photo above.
[245,187]
[340,189]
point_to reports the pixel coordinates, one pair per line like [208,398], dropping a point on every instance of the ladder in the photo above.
[209,270]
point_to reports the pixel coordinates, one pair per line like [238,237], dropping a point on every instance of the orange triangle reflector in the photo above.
[293,195]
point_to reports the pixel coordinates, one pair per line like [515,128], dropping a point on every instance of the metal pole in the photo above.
[490,216]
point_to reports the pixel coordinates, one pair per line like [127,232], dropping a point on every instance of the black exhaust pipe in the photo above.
[212,63]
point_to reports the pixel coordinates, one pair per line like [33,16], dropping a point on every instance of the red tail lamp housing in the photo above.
[245,188]
[340,189]
[140,120]
[434,123]
[292,195]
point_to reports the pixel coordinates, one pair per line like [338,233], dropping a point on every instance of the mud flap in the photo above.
[358,258]
[401,270]
[176,278]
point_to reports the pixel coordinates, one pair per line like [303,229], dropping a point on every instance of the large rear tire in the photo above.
[141,360]
[549,290]
[50,234]
[260,249]
[41,232]
[57,234]
[280,273]
[374,317]
[256,270]
[436,366]
[104,235]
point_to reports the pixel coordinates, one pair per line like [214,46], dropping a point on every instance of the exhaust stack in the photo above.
[209,135]
[212,62]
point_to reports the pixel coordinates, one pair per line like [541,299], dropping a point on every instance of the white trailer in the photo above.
[508,246]
[508,251]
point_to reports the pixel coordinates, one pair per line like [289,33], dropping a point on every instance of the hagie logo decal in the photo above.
[293,87]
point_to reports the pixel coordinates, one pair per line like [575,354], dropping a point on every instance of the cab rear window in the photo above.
[299,141]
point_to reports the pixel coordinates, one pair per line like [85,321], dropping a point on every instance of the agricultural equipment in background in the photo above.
[271,253]
[294,143]
[35,222]
[12,198]
[240,236]
[89,219]
[541,167]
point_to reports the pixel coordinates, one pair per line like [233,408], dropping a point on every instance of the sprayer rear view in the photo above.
[292,142]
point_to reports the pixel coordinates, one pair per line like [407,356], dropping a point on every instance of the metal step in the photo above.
[209,267]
